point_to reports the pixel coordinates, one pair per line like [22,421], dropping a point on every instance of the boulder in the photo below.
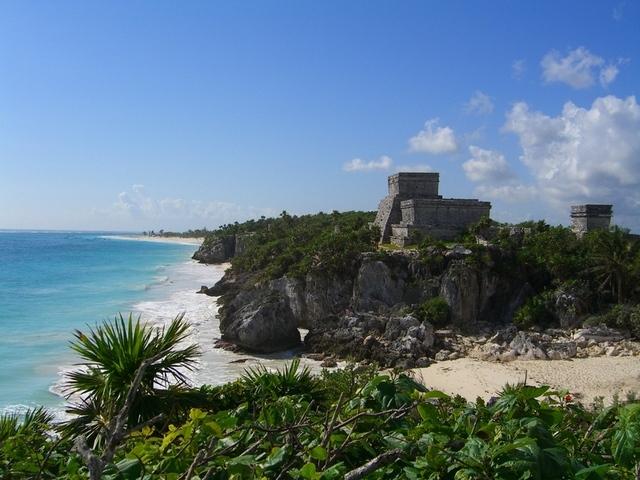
[599,334]
[264,325]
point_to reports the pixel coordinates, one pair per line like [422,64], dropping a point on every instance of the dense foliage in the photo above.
[295,245]
[435,311]
[353,424]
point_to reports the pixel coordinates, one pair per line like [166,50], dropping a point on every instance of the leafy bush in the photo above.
[624,316]
[536,311]
[294,246]
[390,422]
[435,311]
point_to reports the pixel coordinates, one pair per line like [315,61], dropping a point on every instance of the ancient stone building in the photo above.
[585,218]
[414,205]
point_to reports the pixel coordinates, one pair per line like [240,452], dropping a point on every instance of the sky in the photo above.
[139,115]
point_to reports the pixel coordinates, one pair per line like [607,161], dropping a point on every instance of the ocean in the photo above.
[52,283]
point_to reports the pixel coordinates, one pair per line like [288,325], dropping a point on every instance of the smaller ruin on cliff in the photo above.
[413,205]
[585,218]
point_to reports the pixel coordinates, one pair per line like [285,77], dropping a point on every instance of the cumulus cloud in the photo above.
[578,69]
[359,165]
[434,139]
[518,67]
[479,104]
[414,168]
[137,207]
[512,193]
[487,166]
[583,154]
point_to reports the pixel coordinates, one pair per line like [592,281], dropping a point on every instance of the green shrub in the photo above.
[435,311]
[624,316]
[535,312]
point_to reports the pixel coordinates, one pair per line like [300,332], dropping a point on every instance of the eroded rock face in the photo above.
[460,289]
[264,325]
[218,250]
[382,287]
[377,288]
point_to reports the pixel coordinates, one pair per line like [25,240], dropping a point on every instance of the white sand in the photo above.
[144,238]
[586,378]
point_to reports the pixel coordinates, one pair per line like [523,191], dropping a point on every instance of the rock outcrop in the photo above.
[221,248]
[382,287]
[393,341]
[263,325]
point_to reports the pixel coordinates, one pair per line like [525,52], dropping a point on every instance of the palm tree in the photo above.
[614,257]
[112,354]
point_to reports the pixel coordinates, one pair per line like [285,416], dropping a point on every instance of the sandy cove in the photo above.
[181,240]
[585,378]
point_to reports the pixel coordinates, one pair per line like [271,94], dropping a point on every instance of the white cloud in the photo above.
[414,168]
[139,209]
[578,68]
[487,166]
[479,104]
[518,67]
[433,139]
[512,193]
[608,74]
[583,154]
[618,11]
[359,165]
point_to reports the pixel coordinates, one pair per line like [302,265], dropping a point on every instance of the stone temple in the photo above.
[414,205]
[585,218]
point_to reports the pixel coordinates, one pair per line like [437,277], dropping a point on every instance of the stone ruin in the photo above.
[585,218]
[413,206]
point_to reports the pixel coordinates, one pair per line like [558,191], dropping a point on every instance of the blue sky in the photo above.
[140,115]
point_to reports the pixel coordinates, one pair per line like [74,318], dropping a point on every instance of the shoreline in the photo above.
[195,241]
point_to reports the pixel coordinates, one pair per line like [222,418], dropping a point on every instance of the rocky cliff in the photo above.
[221,248]
[368,314]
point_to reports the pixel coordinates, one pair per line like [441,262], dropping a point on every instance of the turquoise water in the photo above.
[53,283]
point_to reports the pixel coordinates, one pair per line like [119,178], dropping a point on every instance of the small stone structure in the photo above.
[585,218]
[413,205]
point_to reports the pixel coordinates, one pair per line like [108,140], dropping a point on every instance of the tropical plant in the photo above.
[614,257]
[112,354]
[434,310]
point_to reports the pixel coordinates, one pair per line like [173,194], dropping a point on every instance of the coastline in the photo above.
[196,241]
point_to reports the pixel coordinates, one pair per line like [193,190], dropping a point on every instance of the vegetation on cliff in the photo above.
[596,272]
[294,245]
[352,423]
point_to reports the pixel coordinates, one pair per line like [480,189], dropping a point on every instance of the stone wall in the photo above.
[414,185]
[585,218]
[439,218]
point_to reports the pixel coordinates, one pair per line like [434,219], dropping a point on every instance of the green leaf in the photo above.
[593,473]
[308,471]
[626,439]
[435,394]
[319,453]
[427,411]
[276,457]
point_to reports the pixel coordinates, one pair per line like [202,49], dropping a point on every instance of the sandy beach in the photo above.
[585,378]
[143,238]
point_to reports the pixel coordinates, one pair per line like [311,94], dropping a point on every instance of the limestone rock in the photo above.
[264,325]
[376,288]
[216,250]
[459,288]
